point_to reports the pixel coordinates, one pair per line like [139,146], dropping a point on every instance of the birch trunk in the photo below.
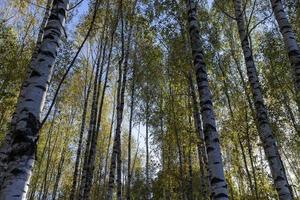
[92,154]
[264,128]
[147,151]
[110,133]
[190,161]
[202,154]
[59,172]
[87,173]
[114,102]
[250,153]
[116,154]
[129,134]
[48,164]
[120,105]
[290,42]
[40,36]
[91,130]
[117,138]
[41,31]
[79,146]
[215,165]
[93,117]
[239,136]
[178,143]
[109,140]
[116,143]
[34,184]
[18,152]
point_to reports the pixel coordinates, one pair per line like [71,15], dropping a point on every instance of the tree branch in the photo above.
[251,15]
[71,64]
[77,4]
[260,22]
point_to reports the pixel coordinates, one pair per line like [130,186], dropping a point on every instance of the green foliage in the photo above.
[14,61]
[160,55]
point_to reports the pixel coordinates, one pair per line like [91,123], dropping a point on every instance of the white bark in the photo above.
[215,164]
[41,31]
[18,152]
[202,154]
[290,42]
[264,128]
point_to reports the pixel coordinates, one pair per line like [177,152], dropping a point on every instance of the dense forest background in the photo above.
[150,99]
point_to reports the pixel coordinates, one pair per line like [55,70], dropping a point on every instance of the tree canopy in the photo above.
[149,99]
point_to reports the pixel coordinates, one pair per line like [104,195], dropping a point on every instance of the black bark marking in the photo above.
[21,139]
[62,12]
[279,178]
[54,17]
[216,180]
[17,171]
[47,53]
[221,195]
[49,36]
[216,140]
[210,149]
[34,73]
[41,87]
[41,60]
[286,26]
[208,128]
[52,30]
[207,102]
[24,110]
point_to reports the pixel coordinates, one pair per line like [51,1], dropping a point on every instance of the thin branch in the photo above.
[223,11]
[7,19]
[77,4]
[34,4]
[251,15]
[244,8]
[71,64]
[64,30]
[227,14]
[260,22]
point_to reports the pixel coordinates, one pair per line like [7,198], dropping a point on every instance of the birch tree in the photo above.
[264,128]
[290,42]
[215,165]
[18,150]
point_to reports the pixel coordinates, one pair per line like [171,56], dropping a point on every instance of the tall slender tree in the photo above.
[122,79]
[79,146]
[18,151]
[215,164]
[202,154]
[128,195]
[116,153]
[264,128]
[290,42]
